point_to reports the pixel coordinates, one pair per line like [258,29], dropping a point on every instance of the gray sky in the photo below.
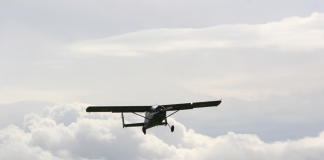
[263,58]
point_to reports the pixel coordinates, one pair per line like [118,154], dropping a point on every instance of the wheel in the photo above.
[144,130]
[172,128]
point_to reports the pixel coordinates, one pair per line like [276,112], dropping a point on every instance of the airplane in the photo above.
[154,115]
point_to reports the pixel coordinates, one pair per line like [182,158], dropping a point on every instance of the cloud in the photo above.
[11,95]
[247,86]
[242,61]
[291,34]
[14,113]
[100,136]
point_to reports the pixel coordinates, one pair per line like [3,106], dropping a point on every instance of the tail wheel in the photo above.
[172,128]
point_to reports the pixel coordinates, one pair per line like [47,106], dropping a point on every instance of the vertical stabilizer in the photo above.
[123,119]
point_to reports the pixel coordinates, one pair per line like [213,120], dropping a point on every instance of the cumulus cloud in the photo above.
[66,131]
[290,34]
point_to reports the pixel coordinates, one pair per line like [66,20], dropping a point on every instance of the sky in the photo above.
[263,58]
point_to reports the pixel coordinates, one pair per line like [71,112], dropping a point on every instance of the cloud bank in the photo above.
[66,131]
[245,61]
[291,34]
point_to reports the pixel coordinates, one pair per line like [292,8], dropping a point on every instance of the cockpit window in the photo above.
[157,108]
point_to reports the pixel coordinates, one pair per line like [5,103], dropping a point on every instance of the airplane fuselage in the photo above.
[154,117]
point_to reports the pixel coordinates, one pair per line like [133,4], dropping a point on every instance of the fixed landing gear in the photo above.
[172,128]
[144,130]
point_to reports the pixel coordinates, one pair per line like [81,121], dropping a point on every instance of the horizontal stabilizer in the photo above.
[134,125]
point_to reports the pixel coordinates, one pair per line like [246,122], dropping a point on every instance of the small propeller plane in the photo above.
[154,115]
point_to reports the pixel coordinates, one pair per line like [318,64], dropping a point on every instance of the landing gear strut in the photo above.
[172,127]
[144,130]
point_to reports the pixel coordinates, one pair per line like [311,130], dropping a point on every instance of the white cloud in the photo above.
[291,34]
[245,85]
[100,136]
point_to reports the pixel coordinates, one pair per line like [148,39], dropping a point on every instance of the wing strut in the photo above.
[140,115]
[172,114]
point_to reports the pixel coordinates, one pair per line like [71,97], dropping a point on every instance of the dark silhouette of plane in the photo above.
[154,115]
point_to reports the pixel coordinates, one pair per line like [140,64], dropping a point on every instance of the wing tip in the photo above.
[220,101]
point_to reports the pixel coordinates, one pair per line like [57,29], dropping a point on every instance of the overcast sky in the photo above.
[263,58]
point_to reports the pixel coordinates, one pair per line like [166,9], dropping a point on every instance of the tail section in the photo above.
[123,119]
[131,125]
[134,125]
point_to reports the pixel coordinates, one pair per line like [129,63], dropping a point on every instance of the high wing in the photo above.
[183,106]
[118,108]
[171,107]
